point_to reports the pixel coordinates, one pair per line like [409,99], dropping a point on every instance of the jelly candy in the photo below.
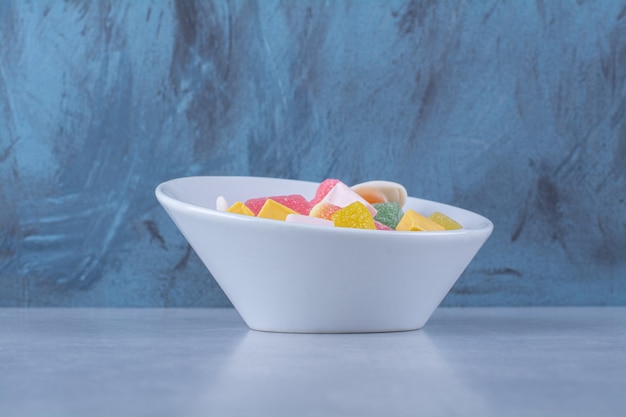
[414,221]
[240,208]
[374,205]
[296,202]
[324,210]
[445,221]
[221,204]
[371,195]
[380,226]
[302,219]
[322,189]
[274,210]
[255,204]
[341,195]
[354,215]
[391,190]
[389,214]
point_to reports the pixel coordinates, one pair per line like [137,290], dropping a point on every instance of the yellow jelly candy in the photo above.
[273,210]
[240,208]
[447,222]
[412,221]
[354,215]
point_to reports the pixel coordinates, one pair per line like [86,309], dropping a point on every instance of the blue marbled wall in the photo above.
[513,109]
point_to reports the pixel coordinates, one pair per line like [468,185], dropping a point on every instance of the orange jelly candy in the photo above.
[371,195]
[324,210]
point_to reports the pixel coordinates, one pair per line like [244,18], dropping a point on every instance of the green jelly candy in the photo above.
[388,214]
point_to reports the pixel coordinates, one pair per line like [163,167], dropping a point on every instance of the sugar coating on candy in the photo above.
[389,213]
[296,202]
[255,204]
[447,222]
[322,189]
[380,226]
[373,205]
[303,219]
[341,195]
[274,210]
[354,215]
[413,221]
[240,208]
[324,210]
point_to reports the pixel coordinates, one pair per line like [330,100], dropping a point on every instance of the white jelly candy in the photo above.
[393,191]
[221,204]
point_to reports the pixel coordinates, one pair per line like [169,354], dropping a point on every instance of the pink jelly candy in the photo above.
[341,195]
[324,210]
[380,226]
[296,202]
[322,189]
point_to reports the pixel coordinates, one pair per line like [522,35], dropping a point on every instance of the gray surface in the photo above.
[513,109]
[205,362]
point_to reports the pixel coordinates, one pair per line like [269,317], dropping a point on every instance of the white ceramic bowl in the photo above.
[288,277]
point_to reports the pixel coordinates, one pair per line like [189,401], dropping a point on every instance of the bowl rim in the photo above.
[168,200]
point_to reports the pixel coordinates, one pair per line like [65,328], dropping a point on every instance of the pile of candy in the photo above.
[375,205]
